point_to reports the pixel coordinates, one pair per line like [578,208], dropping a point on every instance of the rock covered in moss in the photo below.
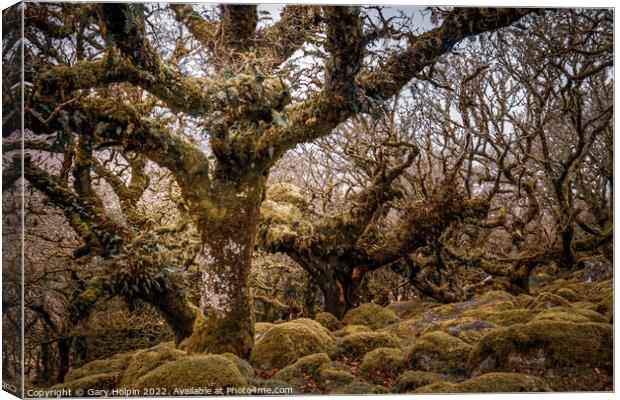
[147,360]
[384,361]
[409,381]
[285,343]
[260,328]
[568,294]
[97,381]
[569,314]
[211,370]
[115,364]
[331,378]
[551,349]
[498,382]
[328,320]
[371,315]
[548,300]
[437,387]
[358,344]
[243,366]
[350,330]
[439,352]
[512,317]
[309,365]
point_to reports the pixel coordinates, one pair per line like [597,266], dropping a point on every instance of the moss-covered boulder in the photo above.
[548,300]
[116,364]
[211,370]
[298,372]
[439,352]
[371,315]
[331,379]
[329,321]
[409,381]
[260,328]
[381,362]
[437,387]
[243,366]
[147,360]
[568,294]
[565,354]
[285,343]
[358,344]
[350,330]
[569,314]
[95,381]
[512,317]
[412,308]
[496,382]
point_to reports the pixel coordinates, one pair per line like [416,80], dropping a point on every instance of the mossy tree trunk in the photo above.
[341,289]
[228,226]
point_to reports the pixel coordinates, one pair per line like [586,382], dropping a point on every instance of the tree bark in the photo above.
[228,225]
[341,290]
[64,346]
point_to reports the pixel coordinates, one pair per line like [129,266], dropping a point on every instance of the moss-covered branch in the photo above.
[89,221]
[319,115]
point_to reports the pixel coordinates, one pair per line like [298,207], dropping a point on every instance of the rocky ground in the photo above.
[559,338]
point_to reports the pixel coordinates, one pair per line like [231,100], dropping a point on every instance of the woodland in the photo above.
[322,199]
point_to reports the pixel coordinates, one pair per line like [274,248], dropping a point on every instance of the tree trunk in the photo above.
[228,225]
[64,346]
[46,370]
[177,311]
[341,290]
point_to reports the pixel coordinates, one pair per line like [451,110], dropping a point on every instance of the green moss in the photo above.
[358,344]
[350,330]
[439,352]
[489,383]
[498,382]
[96,381]
[437,387]
[243,366]
[379,389]
[547,300]
[331,379]
[541,345]
[230,332]
[286,343]
[147,360]
[469,329]
[411,380]
[116,364]
[568,294]
[328,320]
[308,365]
[410,309]
[371,315]
[512,317]
[260,328]
[570,314]
[209,370]
[383,361]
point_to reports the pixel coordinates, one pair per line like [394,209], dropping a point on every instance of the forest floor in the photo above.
[558,338]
